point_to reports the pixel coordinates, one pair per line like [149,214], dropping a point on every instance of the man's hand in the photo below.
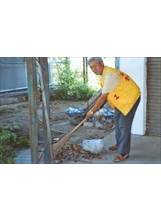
[100,102]
[89,115]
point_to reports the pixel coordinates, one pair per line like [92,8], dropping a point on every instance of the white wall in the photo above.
[135,67]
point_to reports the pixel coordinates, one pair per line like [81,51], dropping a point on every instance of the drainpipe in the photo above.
[117,62]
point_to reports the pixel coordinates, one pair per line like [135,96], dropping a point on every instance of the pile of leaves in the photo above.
[74,152]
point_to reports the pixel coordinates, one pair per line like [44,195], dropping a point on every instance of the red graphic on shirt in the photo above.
[122,73]
[127,78]
[117,97]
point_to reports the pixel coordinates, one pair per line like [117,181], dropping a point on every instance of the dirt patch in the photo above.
[19,113]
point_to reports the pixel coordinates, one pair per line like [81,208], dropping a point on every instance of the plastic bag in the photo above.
[93,146]
[103,119]
[75,112]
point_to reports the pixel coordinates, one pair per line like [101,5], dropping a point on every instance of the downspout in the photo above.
[117,62]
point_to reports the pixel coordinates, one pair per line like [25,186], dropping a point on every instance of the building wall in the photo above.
[153,122]
[136,68]
[13,73]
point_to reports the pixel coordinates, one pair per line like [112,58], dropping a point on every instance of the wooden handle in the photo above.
[77,126]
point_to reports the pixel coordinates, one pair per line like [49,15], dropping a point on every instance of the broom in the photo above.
[57,147]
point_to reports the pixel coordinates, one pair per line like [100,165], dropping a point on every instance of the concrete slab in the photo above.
[144,150]
[23,156]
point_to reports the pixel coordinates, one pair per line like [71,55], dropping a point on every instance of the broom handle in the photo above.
[77,126]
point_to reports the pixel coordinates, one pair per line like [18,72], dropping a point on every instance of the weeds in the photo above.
[8,141]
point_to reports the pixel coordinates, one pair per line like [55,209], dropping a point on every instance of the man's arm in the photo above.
[110,82]
[100,102]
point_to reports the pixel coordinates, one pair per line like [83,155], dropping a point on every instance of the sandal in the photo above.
[120,157]
[113,148]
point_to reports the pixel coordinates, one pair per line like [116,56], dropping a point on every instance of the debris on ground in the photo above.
[75,153]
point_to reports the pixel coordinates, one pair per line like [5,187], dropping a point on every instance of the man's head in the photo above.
[96,64]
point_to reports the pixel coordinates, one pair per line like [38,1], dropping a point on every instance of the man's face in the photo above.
[97,67]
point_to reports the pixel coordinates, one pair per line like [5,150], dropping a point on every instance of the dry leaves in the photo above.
[75,153]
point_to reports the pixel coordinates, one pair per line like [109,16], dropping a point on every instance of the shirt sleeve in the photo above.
[110,82]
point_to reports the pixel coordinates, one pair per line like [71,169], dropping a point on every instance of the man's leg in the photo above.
[124,130]
[117,116]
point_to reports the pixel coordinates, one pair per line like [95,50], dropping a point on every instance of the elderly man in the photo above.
[123,95]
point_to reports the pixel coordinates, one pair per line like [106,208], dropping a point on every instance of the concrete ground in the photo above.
[144,150]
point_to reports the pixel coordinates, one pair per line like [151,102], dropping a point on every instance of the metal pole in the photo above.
[32,90]
[44,78]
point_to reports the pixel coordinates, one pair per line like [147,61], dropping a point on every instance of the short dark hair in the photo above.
[98,59]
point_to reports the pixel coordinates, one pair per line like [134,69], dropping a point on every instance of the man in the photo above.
[123,95]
